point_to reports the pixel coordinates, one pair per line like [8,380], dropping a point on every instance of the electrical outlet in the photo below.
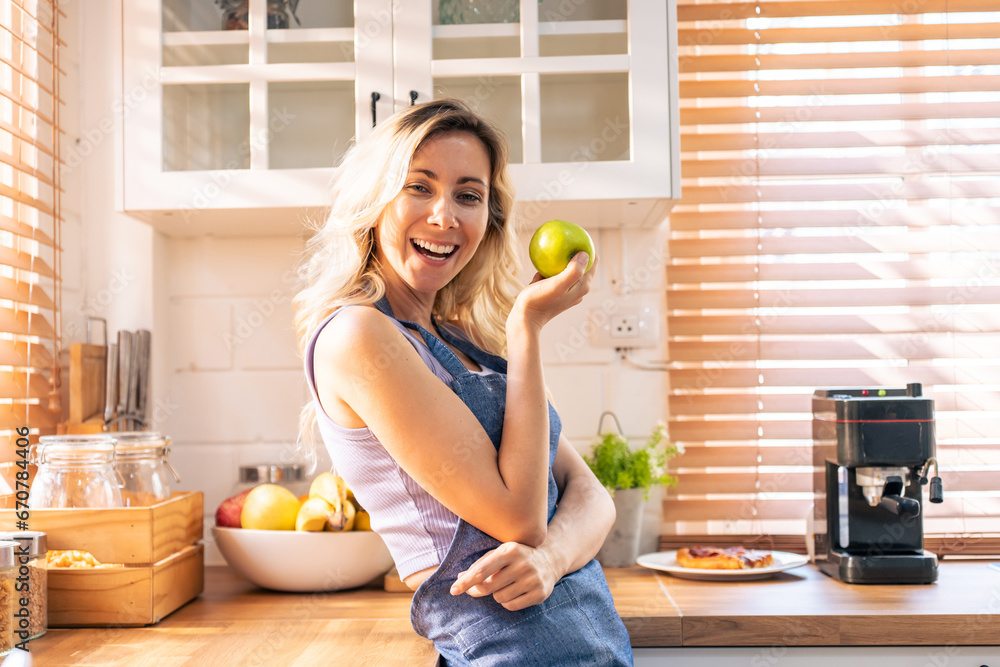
[628,326]
[624,326]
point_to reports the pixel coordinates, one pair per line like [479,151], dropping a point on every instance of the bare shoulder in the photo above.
[354,321]
[354,336]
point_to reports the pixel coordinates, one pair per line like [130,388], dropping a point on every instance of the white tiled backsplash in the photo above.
[236,384]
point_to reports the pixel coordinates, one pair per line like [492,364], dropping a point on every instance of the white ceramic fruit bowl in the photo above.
[299,561]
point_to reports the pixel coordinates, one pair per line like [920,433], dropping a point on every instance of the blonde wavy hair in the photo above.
[340,268]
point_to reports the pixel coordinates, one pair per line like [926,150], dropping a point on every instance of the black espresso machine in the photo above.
[872,450]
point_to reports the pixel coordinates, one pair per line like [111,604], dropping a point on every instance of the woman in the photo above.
[452,448]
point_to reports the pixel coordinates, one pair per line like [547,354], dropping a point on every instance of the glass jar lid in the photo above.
[7,548]
[138,441]
[35,540]
[74,448]
[272,473]
[98,439]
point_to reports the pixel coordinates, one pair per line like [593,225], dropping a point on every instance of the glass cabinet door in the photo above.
[257,84]
[581,88]
[244,105]
[552,74]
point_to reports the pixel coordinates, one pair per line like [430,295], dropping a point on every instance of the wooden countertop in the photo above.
[804,607]
[235,623]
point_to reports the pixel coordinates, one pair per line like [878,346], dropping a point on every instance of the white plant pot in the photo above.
[621,547]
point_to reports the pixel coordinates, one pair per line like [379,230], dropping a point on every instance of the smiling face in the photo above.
[432,228]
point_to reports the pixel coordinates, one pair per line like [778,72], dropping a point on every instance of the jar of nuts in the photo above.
[31,576]
[7,596]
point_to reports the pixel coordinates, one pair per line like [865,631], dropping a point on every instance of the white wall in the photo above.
[227,381]
[107,258]
[235,380]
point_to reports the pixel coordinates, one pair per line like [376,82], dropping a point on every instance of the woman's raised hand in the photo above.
[544,298]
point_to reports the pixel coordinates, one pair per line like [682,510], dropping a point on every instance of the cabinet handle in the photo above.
[413,97]
[375,98]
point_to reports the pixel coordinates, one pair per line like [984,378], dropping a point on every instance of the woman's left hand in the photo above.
[516,575]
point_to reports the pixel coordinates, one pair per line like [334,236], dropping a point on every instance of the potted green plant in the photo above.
[629,474]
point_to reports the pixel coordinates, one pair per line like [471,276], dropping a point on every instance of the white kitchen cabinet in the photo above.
[236,131]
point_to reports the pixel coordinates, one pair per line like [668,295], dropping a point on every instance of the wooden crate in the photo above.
[128,535]
[159,546]
[123,596]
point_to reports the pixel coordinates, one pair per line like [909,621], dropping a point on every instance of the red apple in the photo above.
[228,514]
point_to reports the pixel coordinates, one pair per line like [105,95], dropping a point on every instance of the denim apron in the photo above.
[577,625]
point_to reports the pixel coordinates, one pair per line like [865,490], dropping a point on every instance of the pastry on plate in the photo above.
[723,558]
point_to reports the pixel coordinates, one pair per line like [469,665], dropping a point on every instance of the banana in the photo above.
[336,520]
[312,515]
[330,488]
[363,521]
[350,514]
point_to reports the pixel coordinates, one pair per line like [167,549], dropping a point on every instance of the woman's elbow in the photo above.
[604,507]
[532,536]
[517,526]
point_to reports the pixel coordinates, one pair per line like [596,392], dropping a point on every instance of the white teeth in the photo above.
[433,247]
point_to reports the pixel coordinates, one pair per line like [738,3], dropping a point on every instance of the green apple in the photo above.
[553,245]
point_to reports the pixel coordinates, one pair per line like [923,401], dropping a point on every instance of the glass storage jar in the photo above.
[291,476]
[74,471]
[31,605]
[7,576]
[141,461]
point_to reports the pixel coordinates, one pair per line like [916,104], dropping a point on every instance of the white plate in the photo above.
[666,561]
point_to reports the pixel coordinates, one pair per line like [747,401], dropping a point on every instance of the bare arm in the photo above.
[519,576]
[584,516]
[368,374]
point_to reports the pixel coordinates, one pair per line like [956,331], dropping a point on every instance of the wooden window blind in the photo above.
[839,226]
[29,224]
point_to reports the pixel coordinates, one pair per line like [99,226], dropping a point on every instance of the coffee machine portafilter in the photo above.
[872,451]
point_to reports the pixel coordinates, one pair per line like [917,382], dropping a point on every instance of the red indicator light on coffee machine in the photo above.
[864,392]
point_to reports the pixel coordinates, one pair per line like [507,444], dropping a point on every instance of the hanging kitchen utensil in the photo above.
[124,372]
[142,385]
[133,383]
[111,384]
